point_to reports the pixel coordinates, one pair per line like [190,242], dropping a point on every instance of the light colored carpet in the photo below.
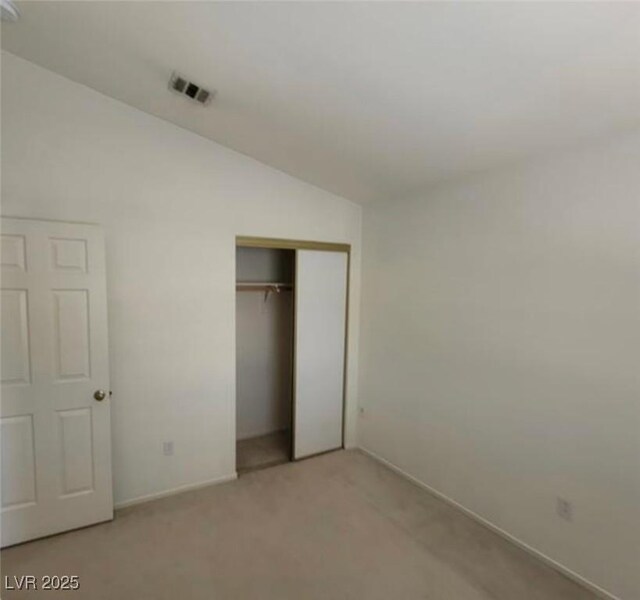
[266,450]
[336,527]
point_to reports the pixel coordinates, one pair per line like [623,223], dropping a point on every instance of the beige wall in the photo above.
[501,349]
[264,363]
[171,204]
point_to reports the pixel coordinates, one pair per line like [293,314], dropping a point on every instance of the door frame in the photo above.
[242,241]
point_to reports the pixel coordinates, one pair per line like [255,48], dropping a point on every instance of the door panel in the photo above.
[15,363]
[69,254]
[76,450]
[13,253]
[71,334]
[55,438]
[18,461]
[321,304]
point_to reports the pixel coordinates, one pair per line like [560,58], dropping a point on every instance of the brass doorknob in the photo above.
[99,395]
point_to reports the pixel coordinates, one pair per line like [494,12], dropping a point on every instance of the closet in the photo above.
[291,323]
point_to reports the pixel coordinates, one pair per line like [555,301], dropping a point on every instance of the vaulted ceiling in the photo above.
[370,100]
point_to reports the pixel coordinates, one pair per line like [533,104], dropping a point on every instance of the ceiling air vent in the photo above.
[191,90]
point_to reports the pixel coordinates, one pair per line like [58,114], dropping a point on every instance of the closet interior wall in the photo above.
[264,355]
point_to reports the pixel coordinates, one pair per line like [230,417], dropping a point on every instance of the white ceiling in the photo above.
[368,100]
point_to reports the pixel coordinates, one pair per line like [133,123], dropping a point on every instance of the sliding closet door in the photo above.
[321,306]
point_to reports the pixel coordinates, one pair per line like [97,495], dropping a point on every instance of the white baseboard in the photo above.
[173,491]
[596,589]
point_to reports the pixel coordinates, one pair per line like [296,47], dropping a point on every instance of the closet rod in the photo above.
[263,287]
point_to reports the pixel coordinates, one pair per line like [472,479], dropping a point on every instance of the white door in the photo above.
[321,309]
[54,435]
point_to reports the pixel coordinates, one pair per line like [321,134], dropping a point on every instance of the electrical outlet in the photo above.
[167,448]
[564,508]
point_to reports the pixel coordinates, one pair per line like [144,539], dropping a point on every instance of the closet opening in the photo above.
[291,341]
[264,356]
